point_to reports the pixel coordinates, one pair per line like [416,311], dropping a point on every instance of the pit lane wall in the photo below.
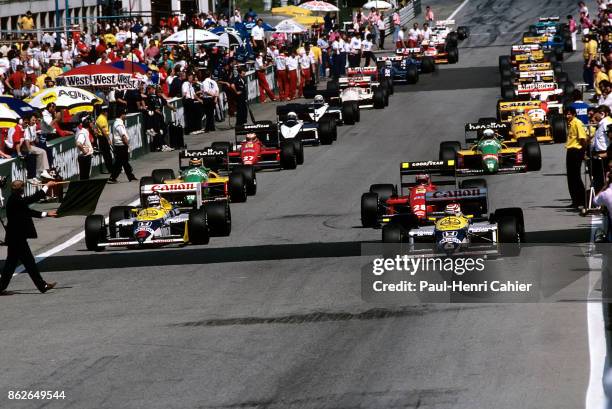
[65,152]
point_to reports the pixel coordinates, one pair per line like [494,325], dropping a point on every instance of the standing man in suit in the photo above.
[20,228]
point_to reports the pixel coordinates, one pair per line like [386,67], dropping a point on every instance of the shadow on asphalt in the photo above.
[204,255]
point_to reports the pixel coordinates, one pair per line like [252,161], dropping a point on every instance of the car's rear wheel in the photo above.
[356,111]
[412,74]
[369,209]
[392,233]
[95,232]
[507,93]
[384,191]
[378,98]
[517,213]
[197,227]
[287,155]
[448,150]
[348,115]
[508,235]
[453,55]
[298,147]
[219,218]
[428,64]
[237,187]
[558,128]
[477,183]
[326,131]
[533,156]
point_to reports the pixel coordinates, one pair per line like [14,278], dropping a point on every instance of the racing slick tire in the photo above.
[562,77]
[392,233]
[453,55]
[384,191]
[533,156]
[250,178]
[386,93]
[558,128]
[369,209]
[95,231]
[506,82]
[357,111]
[551,57]
[327,128]
[221,146]
[567,87]
[508,235]
[219,218]
[115,214]
[463,32]
[473,183]
[452,39]
[161,175]
[197,227]
[287,155]
[558,52]
[517,213]
[348,113]
[237,187]
[332,85]
[428,64]
[412,74]
[448,150]
[506,74]
[504,62]
[507,93]
[298,147]
[557,68]
[390,86]
[145,180]
[378,98]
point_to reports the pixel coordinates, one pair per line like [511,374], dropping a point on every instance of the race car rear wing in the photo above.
[445,23]
[518,105]
[361,82]
[266,131]
[548,19]
[540,66]
[361,71]
[473,201]
[526,47]
[407,51]
[329,95]
[174,192]
[535,39]
[431,168]
[211,158]
[473,130]
[537,73]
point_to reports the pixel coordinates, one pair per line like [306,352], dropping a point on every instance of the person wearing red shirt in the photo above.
[101,48]
[16,81]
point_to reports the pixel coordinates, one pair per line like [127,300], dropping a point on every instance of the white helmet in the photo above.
[292,116]
[153,201]
[453,209]
[388,63]
[488,133]
[318,99]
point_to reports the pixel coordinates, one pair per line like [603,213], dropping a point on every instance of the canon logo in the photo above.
[456,194]
[174,187]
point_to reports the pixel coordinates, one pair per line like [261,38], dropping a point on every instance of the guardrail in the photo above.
[406,14]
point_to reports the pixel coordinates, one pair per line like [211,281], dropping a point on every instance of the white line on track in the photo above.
[63,246]
[595,397]
[457,10]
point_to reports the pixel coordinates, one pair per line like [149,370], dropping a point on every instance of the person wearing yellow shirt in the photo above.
[55,70]
[103,137]
[318,56]
[110,39]
[598,76]
[590,55]
[26,22]
[575,146]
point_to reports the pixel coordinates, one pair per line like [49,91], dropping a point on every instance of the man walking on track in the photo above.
[576,142]
[281,75]
[121,146]
[19,229]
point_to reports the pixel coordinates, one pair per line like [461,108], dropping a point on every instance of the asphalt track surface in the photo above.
[272,316]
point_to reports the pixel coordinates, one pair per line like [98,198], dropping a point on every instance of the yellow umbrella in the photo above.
[8,117]
[308,20]
[291,11]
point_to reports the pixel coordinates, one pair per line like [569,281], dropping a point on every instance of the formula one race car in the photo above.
[406,65]
[307,123]
[545,84]
[487,153]
[257,146]
[328,102]
[463,227]
[359,86]
[382,205]
[531,119]
[162,221]
[524,54]
[208,167]
[551,35]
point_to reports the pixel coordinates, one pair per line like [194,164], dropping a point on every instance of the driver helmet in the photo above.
[318,99]
[251,137]
[195,162]
[292,116]
[153,201]
[422,179]
[388,63]
[453,209]
[488,134]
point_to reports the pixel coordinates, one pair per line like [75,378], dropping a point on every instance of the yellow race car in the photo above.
[530,121]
